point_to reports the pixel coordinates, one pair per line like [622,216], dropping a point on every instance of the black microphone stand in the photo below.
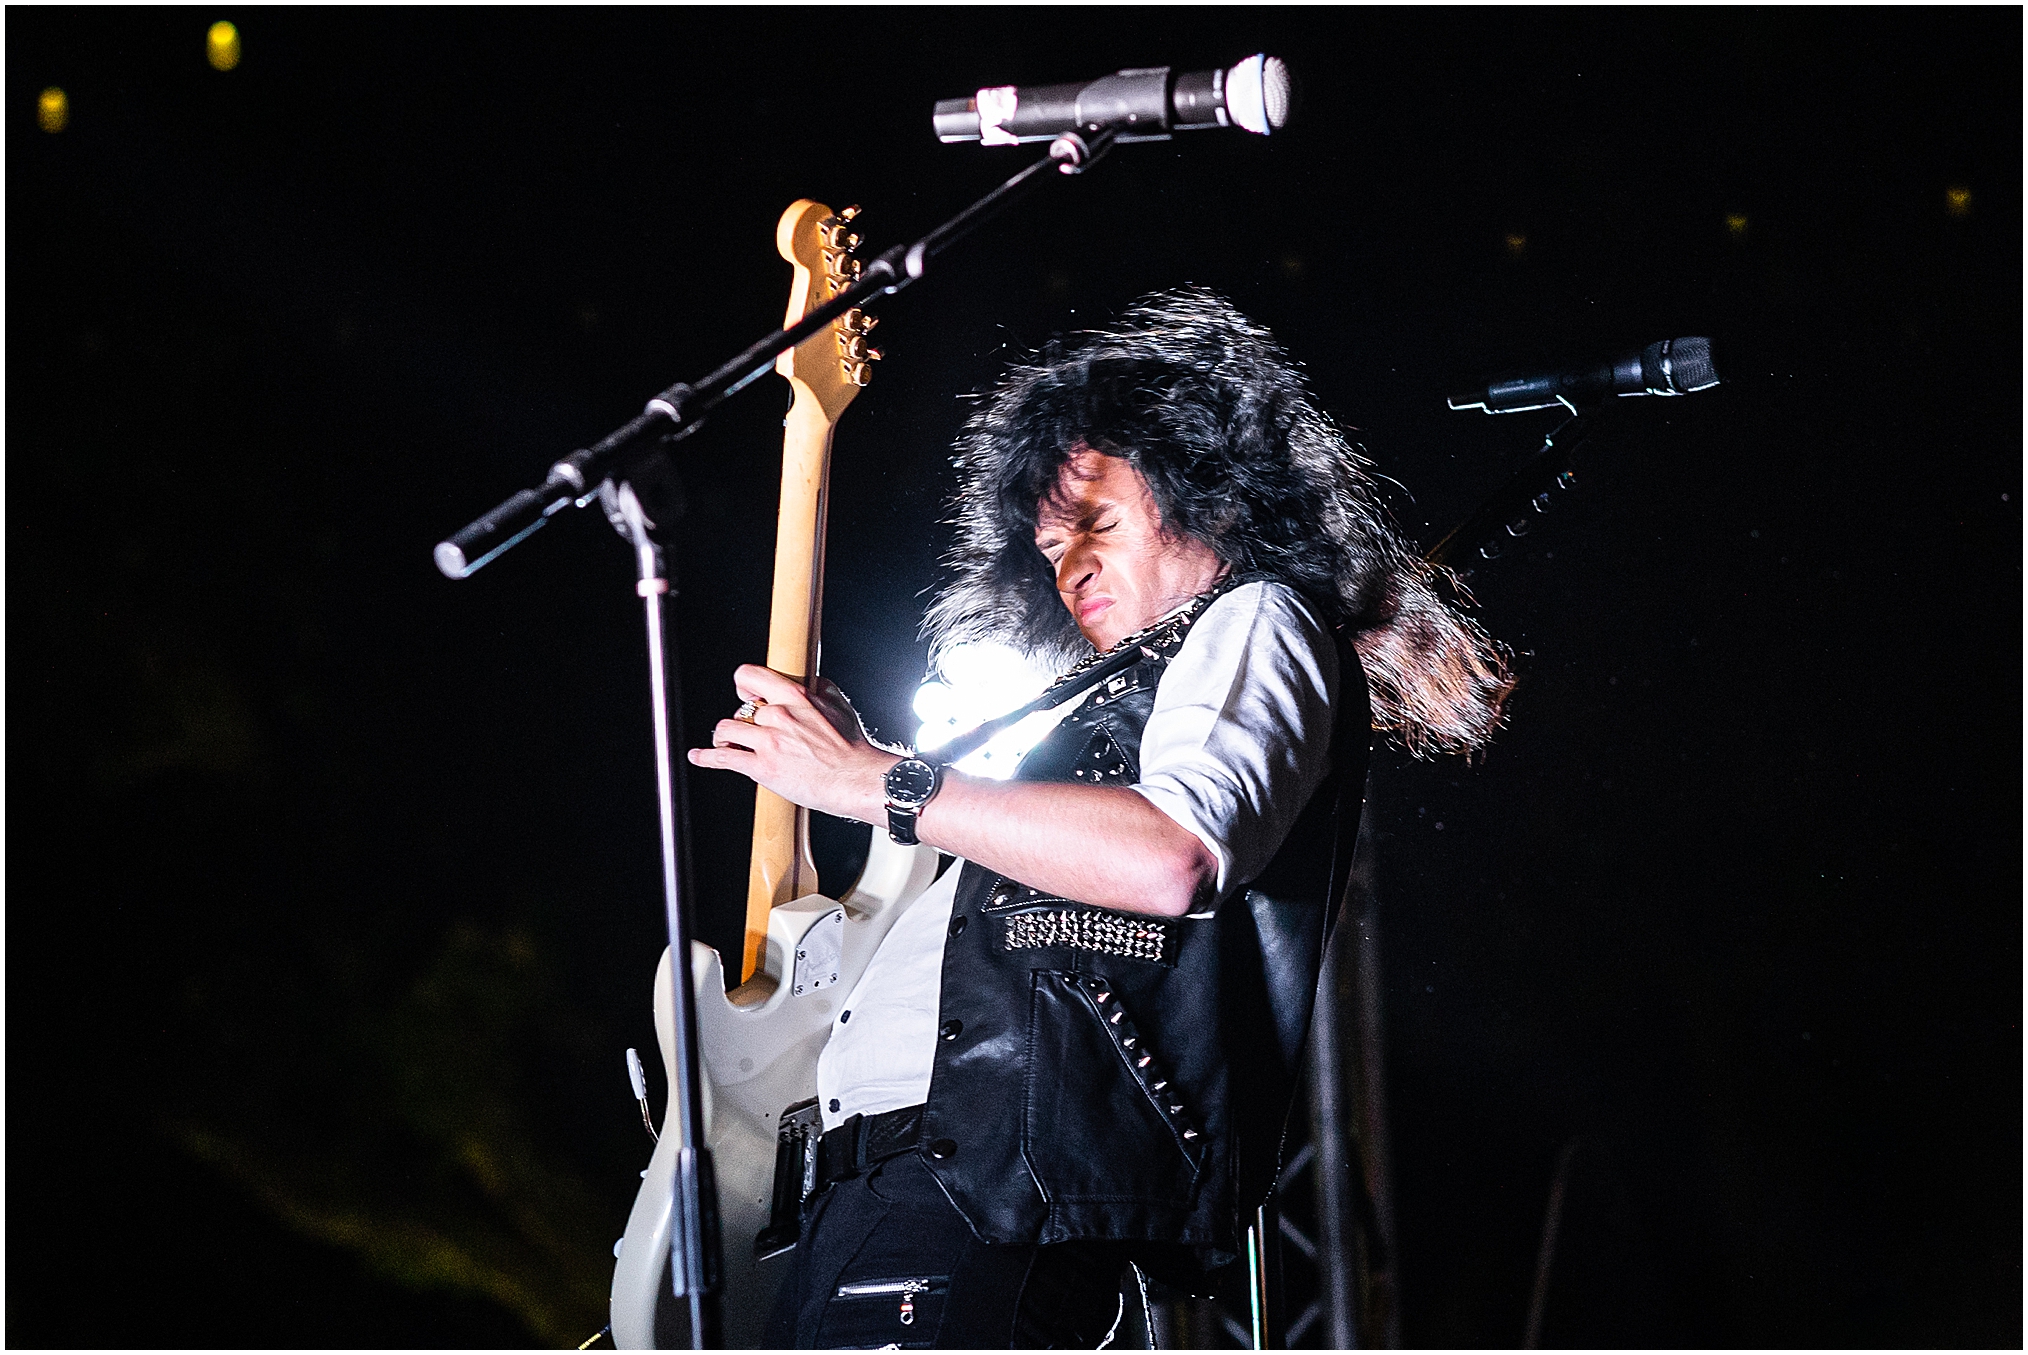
[679,411]
[609,471]
[1507,511]
[693,1243]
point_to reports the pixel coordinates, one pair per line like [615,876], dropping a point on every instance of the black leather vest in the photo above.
[1111,1075]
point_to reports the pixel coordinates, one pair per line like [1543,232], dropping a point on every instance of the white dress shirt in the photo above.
[1238,740]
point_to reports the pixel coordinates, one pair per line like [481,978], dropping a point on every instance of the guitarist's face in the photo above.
[1116,569]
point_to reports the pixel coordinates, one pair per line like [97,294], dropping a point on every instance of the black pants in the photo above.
[885,1260]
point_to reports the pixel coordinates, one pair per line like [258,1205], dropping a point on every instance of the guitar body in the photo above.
[757,1059]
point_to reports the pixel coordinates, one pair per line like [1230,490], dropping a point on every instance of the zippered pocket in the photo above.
[901,1310]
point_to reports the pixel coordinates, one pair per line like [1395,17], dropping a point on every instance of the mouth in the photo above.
[1091,609]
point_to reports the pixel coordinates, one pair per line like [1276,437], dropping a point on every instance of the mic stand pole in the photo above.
[1508,510]
[693,1243]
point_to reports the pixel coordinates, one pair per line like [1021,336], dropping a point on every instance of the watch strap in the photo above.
[901,826]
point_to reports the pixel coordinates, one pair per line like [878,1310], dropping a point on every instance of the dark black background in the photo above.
[332,884]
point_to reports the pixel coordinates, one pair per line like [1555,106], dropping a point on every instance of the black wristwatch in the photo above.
[911,783]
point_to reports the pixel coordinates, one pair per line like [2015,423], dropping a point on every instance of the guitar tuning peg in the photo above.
[849,212]
[851,241]
[857,349]
[858,373]
[859,322]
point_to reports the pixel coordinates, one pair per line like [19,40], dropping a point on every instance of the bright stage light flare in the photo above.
[221,46]
[976,682]
[52,110]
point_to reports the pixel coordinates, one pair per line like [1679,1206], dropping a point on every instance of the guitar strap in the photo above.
[1086,674]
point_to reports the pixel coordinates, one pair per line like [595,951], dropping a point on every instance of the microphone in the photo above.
[1671,367]
[1146,104]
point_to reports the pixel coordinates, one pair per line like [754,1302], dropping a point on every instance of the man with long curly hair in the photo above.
[1078,1052]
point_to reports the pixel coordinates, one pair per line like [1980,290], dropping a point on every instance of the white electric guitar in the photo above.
[803,952]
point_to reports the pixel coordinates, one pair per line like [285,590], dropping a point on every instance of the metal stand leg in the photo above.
[693,1250]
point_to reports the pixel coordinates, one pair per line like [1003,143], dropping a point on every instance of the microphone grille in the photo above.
[1275,89]
[1257,94]
[1690,366]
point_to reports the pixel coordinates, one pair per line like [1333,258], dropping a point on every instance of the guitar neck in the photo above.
[826,371]
[782,868]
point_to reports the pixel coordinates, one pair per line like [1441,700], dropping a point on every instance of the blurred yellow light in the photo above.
[1736,224]
[52,110]
[1958,200]
[1516,243]
[221,46]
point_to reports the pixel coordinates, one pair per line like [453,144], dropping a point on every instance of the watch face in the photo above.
[910,782]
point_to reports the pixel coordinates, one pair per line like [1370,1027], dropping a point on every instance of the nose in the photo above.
[1076,568]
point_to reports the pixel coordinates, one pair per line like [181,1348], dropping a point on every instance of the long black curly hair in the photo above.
[1214,415]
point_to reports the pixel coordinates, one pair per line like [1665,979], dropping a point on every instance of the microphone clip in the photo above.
[1075,154]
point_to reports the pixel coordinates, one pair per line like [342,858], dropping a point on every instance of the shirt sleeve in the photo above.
[1240,736]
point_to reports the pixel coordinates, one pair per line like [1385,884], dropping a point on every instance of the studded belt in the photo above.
[1131,936]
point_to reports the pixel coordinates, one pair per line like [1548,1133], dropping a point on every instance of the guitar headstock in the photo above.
[831,366]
